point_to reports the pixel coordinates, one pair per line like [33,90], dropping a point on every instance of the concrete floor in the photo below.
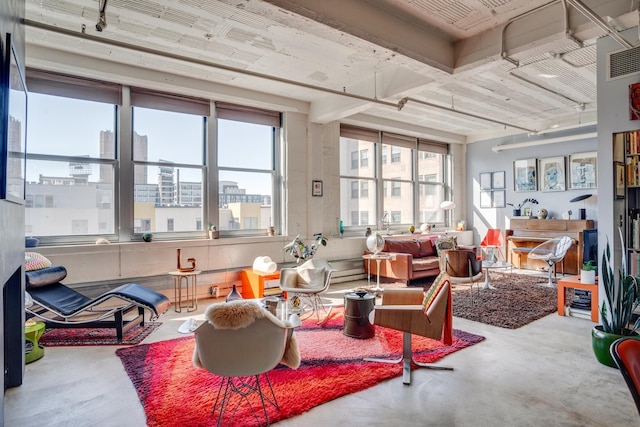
[543,374]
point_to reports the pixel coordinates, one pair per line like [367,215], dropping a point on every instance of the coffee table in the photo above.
[488,265]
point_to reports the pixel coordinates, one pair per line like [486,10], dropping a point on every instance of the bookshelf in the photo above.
[630,141]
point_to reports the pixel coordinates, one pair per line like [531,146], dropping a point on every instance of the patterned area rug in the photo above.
[175,393]
[96,336]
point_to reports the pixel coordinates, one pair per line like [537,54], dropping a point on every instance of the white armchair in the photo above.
[307,281]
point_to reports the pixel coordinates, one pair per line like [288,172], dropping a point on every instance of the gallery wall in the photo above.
[481,159]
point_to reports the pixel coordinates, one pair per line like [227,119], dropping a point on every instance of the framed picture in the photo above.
[583,170]
[316,188]
[620,180]
[499,199]
[13,146]
[634,101]
[552,174]
[485,181]
[498,180]
[485,199]
[525,176]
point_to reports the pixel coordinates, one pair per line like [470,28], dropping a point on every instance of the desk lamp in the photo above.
[447,206]
[582,197]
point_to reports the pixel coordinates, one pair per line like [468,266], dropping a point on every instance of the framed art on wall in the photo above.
[485,199]
[525,175]
[583,170]
[316,188]
[498,180]
[499,199]
[620,180]
[552,174]
[485,181]
[14,141]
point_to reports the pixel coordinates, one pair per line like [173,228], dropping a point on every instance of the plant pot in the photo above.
[214,234]
[588,277]
[601,342]
[517,212]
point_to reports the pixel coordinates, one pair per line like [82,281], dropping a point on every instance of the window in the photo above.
[407,189]
[354,160]
[354,218]
[364,158]
[169,224]
[354,189]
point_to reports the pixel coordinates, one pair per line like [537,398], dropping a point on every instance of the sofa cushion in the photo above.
[446,242]
[426,248]
[402,246]
[45,276]
[425,263]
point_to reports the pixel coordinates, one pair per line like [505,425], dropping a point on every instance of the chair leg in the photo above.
[243,387]
[406,359]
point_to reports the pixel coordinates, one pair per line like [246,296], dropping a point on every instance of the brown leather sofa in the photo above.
[412,259]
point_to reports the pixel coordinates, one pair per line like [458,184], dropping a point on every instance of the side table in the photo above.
[575,283]
[356,315]
[377,258]
[190,279]
[32,334]
[488,265]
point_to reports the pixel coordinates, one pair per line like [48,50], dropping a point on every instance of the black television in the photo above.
[590,245]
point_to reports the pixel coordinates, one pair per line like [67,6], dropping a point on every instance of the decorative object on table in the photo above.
[542,213]
[426,228]
[316,188]
[375,242]
[517,209]
[147,237]
[411,229]
[301,251]
[191,260]
[271,231]
[581,198]
[264,264]
[583,170]
[367,233]
[234,295]
[525,175]
[552,174]
[213,232]
[619,303]
[102,241]
[588,273]
[341,228]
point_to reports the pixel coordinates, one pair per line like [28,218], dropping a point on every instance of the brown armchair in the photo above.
[463,266]
[413,312]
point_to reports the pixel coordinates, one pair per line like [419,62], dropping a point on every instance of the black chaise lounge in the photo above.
[60,306]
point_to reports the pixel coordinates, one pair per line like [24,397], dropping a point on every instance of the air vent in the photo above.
[623,63]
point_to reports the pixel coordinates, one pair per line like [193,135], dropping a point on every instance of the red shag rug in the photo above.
[175,393]
[53,337]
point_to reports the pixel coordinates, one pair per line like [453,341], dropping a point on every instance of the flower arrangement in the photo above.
[302,251]
[524,202]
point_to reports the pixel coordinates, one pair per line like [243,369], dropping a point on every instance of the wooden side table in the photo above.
[32,334]
[575,283]
[190,279]
[253,284]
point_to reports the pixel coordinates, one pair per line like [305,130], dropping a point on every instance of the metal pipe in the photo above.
[593,17]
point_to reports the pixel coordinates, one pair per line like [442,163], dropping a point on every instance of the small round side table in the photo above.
[356,315]
[32,334]
[191,281]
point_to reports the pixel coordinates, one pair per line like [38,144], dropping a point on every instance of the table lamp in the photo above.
[582,197]
[447,206]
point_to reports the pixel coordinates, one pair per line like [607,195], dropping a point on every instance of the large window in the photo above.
[405,186]
[162,171]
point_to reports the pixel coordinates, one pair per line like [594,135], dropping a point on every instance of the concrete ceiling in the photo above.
[452,70]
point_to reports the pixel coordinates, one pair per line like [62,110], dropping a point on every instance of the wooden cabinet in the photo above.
[258,285]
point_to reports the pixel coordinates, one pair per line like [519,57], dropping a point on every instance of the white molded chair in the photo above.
[552,251]
[308,281]
[241,342]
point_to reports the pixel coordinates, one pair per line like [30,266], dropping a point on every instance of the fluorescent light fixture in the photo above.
[501,147]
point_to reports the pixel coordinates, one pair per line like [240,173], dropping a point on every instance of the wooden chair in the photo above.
[414,312]
[463,267]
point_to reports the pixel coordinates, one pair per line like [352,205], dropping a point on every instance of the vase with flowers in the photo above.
[302,251]
[517,209]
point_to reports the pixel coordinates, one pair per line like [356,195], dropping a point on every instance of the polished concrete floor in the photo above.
[543,374]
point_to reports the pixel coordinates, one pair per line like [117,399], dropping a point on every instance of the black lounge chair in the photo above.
[60,306]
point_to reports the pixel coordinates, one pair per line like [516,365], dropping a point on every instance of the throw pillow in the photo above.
[430,296]
[35,261]
[426,248]
[446,242]
[311,277]
[45,276]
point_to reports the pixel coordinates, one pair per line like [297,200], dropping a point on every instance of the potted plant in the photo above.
[588,273]
[301,251]
[620,301]
[517,209]
[213,232]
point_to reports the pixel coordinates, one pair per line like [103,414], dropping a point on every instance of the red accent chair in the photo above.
[626,354]
[493,239]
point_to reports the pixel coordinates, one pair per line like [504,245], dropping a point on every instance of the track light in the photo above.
[102,17]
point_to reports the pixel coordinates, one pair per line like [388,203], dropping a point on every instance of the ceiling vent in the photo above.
[623,63]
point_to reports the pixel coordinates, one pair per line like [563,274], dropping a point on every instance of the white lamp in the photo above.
[447,206]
